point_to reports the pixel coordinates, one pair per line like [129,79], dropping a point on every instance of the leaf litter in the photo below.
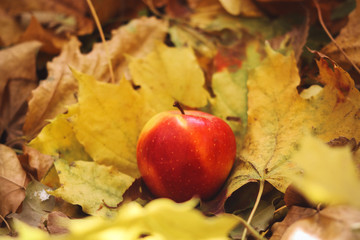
[87,128]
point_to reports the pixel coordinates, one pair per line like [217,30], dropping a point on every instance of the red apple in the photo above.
[181,155]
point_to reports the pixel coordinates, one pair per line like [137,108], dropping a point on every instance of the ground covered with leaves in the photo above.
[283,74]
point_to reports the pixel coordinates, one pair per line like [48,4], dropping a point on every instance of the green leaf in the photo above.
[231,92]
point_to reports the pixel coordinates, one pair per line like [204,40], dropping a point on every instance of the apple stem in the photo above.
[177,104]
[233,118]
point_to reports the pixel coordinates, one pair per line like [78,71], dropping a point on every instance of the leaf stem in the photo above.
[98,25]
[261,190]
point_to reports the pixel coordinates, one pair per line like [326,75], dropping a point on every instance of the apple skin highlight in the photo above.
[185,155]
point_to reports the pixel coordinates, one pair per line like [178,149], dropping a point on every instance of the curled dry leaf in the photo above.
[13,180]
[294,214]
[35,163]
[292,197]
[57,92]
[51,43]
[57,223]
[331,223]
[17,80]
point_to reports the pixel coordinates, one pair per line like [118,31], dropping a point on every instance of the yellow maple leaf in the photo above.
[58,139]
[107,123]
[90,185]
[169,74]
[329,175]
[278,117]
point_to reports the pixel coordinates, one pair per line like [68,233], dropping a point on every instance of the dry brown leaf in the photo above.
[18,78]
[294,214]
[332,223]
[10,30]
[35,163]
[57,92]
[57,222]
[292,197]
[76,9]
[123,9]
[51,43]
[245,7]
[173,8]
[296,38]
[348,40]
[13,180]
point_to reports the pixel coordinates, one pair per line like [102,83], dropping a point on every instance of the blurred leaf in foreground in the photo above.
[90,185]
[329,175]
[160,219]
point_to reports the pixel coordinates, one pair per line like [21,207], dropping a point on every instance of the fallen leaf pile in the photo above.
[68,130]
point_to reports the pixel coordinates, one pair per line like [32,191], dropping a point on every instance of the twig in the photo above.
[6,223]
[331,37]
[280,208]
[98,25]
[261,190]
